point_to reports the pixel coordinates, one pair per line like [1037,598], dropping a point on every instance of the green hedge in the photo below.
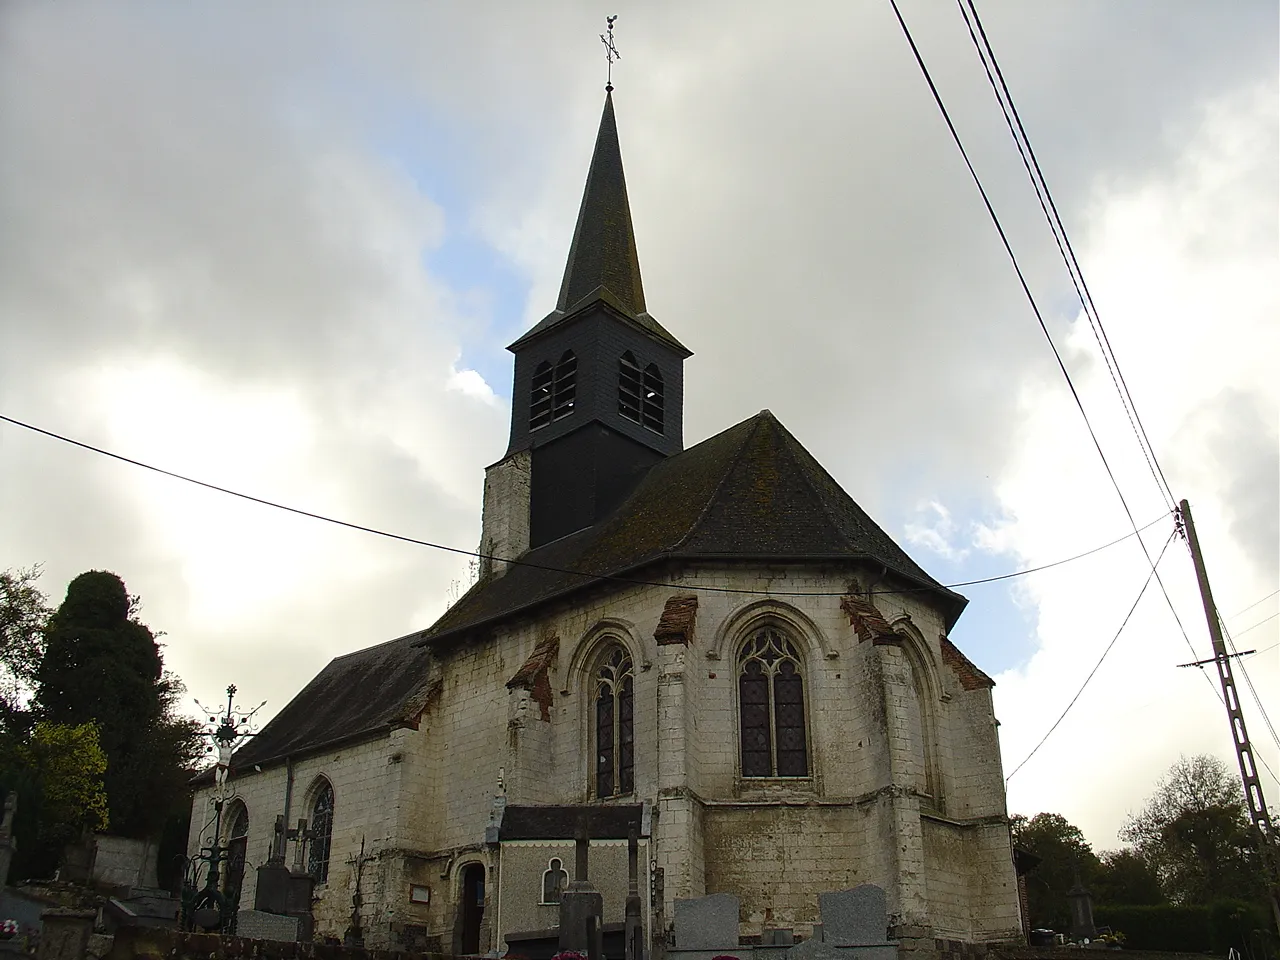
[1190,929]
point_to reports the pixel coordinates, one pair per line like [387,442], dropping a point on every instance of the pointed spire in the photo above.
[603,255]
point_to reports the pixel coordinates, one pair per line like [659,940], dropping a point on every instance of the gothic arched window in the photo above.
[321,832]
[554,880]
[615,724]
[540,399]
[565,388]
[771,707]
[920,730]
[629,387]
[653,403]
[237,847]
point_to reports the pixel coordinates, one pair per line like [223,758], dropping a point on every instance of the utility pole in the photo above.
[1239,734]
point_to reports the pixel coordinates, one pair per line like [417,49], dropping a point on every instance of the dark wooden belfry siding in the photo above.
[581,478]
[598,339]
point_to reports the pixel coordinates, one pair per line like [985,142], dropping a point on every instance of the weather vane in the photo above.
[610,51]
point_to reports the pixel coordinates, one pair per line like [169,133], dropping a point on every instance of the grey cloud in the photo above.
[1241,444]
[213,183]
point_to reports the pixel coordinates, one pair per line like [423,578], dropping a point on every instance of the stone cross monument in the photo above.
[581,907]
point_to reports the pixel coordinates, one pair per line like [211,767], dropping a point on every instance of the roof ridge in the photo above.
[374,646]
[724,477]
[817,494]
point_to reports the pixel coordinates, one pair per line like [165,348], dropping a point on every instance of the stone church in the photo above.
[713,646]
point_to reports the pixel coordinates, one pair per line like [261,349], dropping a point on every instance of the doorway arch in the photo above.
[471,908]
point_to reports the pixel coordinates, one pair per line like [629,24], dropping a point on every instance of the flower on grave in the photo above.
[725,956]
[569,955]
[8,928]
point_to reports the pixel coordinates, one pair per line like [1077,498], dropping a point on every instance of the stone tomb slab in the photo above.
[708,923]
[854,918]
[260,925]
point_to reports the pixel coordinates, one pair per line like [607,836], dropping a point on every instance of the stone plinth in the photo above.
[64,934]
[581,919]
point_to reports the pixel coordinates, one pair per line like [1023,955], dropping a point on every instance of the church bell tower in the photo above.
[599,383]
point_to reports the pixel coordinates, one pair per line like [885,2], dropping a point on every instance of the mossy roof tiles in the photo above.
[749,493]
[357,695]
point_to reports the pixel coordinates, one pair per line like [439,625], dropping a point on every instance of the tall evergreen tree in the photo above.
[102,665]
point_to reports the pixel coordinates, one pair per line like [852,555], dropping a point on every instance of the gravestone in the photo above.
[260,925]
[856,917]
[64,933]
[581,905]
[854,925]
[1082,925]
[633,929]
[125,863]
[708,923]
[7,843]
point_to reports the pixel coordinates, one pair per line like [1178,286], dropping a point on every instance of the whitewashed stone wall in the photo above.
[422,799]
[373,785]
[505,520]
[519,907]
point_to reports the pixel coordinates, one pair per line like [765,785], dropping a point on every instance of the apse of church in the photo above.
[716,642]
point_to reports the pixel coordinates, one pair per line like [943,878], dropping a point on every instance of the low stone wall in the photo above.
[138,943]
[951,950]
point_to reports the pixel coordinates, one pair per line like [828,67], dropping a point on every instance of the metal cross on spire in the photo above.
[610,51]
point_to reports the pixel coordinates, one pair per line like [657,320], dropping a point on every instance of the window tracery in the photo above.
[321,832]
[771,712]
[615,724]
[237,846]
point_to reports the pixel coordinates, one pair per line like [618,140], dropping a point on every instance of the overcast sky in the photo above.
[282,248]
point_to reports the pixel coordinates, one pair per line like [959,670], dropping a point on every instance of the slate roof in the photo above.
[752,492]
[356,696]
[603,263]
[604,822]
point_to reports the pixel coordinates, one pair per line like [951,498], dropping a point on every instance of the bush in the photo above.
[1215,927]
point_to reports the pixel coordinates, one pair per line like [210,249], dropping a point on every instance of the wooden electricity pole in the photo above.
[1239,734]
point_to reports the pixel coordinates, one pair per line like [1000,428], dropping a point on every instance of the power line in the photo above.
[1251,606]
[1266,720]
[1035,309]
[1146,583]
[1257,625]
[538,566]
[1009,109]
[987,55]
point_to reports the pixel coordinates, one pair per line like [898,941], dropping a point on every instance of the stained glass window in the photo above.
[321,833]
[771,707]
[237,845]
[615,725]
